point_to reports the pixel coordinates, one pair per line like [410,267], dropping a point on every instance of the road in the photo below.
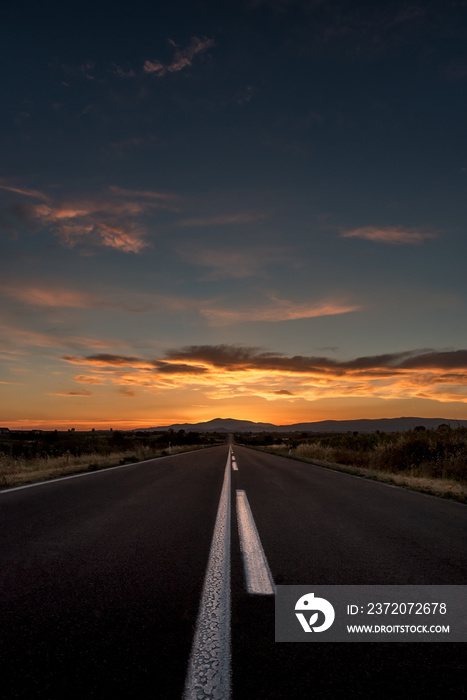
[102,577]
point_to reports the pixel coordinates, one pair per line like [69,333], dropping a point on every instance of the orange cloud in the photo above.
[25,191]
[229,371]
[86,379]
[96,224]
[182,59]
[280,310]
[126,391]
[130,239]
[15,338]
[59,296]
[53,296]
[388,234]
[39,294]
[111,219]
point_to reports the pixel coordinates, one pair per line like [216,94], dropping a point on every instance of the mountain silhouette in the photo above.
[368,425]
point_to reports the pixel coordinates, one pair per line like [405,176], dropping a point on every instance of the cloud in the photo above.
[98,223]
[113,218]
[226,371]
[143,194]
[127,391]
[279,310]
[387,234]
[453,359]
[235,357]
[183,57]
[214,312]
[51,296]
[128,238]
[59,296]
[154,67]
[26,192]
[14,338]
[122,72]
[107,360]
[70,393]
[180,368]
[86,379]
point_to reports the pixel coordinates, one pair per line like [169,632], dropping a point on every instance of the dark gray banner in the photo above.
[371,614]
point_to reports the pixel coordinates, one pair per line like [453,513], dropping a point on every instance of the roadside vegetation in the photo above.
[431,461]
[27,457]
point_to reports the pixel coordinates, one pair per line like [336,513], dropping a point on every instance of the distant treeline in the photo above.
[46,444]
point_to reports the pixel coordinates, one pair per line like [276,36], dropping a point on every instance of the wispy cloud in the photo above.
[278,310]
[122,72]
[389,234]
[183,57]
[228,261]
[51,296]
[26,192]
[86,379]
[214,312]
[143,194]
[113,218]
[71,393]
[57,295]
[13,338]
[100,223]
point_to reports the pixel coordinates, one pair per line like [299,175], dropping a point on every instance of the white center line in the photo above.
[209,666]
[233,461]
[257,573]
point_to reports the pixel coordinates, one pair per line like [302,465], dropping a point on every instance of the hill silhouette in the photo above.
[388,425]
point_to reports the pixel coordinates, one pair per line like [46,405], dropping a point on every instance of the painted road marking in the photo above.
[233,461]
[81,474]
[209,665]
[257,573]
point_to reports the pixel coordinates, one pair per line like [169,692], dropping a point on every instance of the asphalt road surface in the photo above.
[102,577]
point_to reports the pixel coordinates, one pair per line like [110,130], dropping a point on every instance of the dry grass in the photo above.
[412,478]
[18,472]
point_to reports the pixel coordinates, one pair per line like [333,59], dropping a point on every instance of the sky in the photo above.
[251,209]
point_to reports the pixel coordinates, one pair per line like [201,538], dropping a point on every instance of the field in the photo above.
[432,461]
[27,457]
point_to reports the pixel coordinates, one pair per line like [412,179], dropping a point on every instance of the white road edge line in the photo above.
[209,674]
[257,573]
[8,489]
